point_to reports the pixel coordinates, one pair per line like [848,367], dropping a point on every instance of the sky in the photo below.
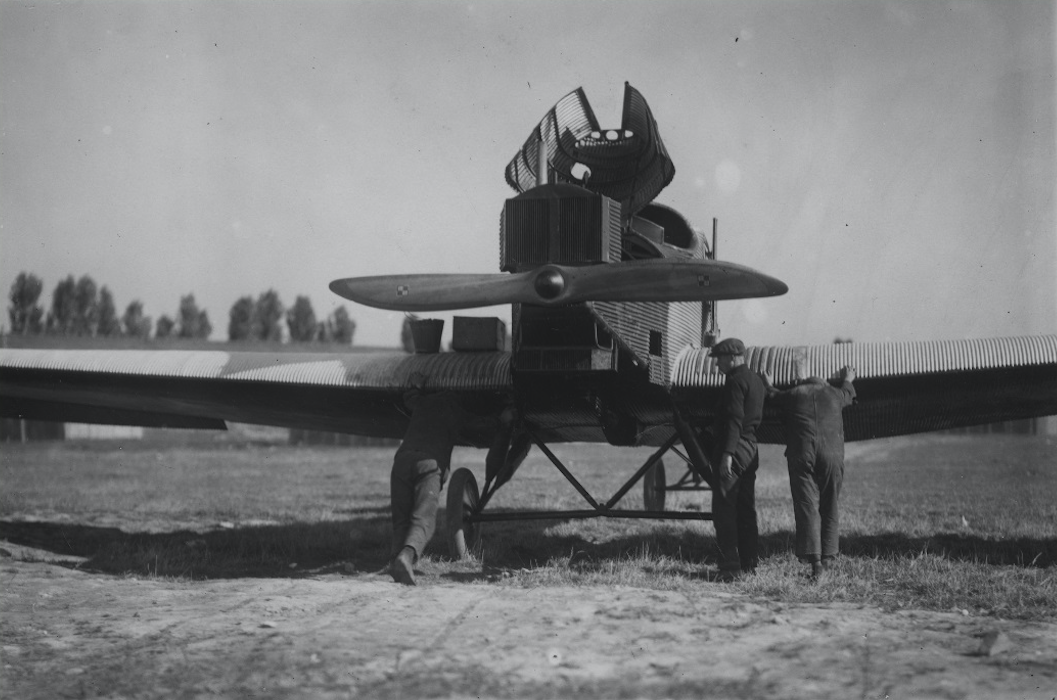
[892,162]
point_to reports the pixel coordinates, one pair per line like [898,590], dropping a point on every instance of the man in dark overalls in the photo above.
[734,452]
[814,436]
[421,465]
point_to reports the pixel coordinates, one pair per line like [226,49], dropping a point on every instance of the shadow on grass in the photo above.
[514,546]
[1019,551]
[361,545]
[289,550]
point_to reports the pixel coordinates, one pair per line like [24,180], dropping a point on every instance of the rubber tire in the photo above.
[463,536]
[654,487]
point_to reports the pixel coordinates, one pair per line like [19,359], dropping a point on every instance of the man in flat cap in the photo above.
[735,456]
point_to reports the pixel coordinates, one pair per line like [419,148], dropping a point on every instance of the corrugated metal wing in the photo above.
[875,360]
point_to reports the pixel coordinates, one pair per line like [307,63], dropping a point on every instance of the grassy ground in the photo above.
[933,522]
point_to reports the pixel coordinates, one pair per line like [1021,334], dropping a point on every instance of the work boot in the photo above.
[402,567]
[728,575]
[816,569]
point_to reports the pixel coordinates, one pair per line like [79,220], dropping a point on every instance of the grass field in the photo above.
[932,522]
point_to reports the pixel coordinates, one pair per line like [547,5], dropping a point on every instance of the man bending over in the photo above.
[421,465]
[814,436]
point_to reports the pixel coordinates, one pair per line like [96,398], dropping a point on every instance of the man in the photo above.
[734,450]
[814,435]
[421,465]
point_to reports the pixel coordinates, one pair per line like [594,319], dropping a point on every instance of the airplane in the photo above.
[613,313]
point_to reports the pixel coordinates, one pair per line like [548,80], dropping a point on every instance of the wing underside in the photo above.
[902,387]
[353,393]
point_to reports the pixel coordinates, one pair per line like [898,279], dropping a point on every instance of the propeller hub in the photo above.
[550,284]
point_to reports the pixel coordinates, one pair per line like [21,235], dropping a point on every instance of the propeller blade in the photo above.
[666,280]
[555,285]
[432,292]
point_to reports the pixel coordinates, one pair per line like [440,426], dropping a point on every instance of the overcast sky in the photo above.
[892,162]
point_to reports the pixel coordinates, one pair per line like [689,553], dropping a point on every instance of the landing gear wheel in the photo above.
[653,487]
[463,536]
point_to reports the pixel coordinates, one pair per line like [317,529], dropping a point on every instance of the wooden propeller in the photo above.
[556,285]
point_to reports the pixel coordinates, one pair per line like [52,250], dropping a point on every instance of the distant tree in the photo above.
[109,324]
[86,300]
[25,313]
[136,324]
[267,315]
[240,319]
[164,327]
[205,328]
[407,340]
[301,320]
[192,322]
[63,307]
[841,341]
[340,328]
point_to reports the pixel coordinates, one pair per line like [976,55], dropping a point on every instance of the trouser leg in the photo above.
[401,499]
[724,514]
[831,477]
[805,507]
[735,520]
[724,519]
[415,492]
[748,526]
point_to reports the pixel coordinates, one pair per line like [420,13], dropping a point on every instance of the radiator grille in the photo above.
[560,224]
[522,238]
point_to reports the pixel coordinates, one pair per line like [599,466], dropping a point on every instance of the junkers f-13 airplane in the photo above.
[613,312]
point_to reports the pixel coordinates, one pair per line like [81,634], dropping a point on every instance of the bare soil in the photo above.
[66,632]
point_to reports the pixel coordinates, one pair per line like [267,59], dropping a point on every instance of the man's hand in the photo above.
[768,379]
[847,374]
[726,466]
[417,380]
[508,416]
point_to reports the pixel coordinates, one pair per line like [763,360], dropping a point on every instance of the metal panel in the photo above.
[679,324]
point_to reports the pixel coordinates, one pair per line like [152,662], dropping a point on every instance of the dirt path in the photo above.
[68,633]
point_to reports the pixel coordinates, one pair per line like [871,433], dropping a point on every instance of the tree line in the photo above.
[79,307]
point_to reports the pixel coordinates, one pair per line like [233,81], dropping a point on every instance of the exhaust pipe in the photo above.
[542,165]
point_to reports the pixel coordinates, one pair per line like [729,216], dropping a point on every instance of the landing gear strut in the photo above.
[466,504]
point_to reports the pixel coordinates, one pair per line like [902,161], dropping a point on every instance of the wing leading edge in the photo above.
[902,387]
[352,393]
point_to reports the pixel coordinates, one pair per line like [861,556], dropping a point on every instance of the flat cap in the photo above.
[730,346]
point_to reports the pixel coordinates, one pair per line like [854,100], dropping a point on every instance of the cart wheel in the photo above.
[463,536]
[653,487]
